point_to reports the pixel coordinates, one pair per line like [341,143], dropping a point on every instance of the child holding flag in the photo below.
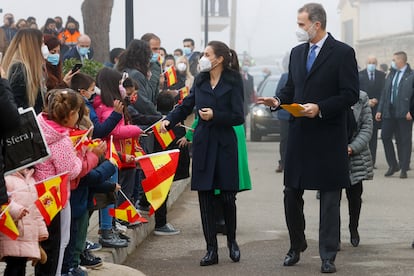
[30,224]
[64,110]
[109,81]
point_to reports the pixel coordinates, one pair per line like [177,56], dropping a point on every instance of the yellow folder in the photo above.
[294,109]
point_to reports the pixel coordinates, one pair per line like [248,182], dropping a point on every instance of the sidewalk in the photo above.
[113,258]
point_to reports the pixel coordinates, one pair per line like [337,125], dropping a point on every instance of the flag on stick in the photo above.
[170,76]
[159,169]
[112,154]
[163,138]
[7,225]
[60,182]
[49,204]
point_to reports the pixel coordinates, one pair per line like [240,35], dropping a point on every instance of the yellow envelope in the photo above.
[294,109]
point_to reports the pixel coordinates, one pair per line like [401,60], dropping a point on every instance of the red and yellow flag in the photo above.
[60,182]
[7,225]
[159,169]
[184,92]
[49,204]
[76,135]
[163,138]
[112,154]
[127,212]
[170,76]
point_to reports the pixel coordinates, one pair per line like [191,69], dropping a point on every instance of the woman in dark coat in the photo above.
[9,119]
[217,95]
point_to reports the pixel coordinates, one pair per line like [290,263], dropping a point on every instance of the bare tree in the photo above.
[96,19]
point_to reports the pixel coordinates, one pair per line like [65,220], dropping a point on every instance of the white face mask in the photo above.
[205,64]
[181,66]
[97,90]
[306,36]
[45,51]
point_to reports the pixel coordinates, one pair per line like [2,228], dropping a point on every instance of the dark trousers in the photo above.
[353,194]
[401,129]
[127,182]
[15,266]
[207,211]
[284,131]
[51,247]
[328,221]
[161,215]
[374,142]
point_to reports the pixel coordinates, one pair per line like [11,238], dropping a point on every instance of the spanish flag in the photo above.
[127,212]
[7,225]
[76,135]
[49,204]
[159,169]
[60,182]
[184,92]
[170,76]
[112,154]
[163,138]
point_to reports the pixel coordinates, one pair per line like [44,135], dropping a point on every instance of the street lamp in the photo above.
[129,21]
[205,23]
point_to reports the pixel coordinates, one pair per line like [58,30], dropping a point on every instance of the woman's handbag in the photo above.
[25,145]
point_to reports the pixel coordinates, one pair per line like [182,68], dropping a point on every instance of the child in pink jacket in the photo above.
[109,81]
[64,110]
[30,223]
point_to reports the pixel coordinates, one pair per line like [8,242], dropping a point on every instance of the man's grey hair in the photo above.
[316,12]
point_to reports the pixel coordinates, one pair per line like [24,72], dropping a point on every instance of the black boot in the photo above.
[210,258]
[234,251]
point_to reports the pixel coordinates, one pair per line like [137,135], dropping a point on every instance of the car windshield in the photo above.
[269,88]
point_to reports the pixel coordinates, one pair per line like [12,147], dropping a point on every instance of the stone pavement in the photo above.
[113,258]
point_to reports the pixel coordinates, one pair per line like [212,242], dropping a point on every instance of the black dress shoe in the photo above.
[354,238]
[391,171]
[210,258]
[403,174]
[293,256]
[234,251]
[328,266]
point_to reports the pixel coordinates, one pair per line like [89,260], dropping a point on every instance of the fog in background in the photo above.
[265,28]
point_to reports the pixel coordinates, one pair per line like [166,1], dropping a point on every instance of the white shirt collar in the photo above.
[319,43]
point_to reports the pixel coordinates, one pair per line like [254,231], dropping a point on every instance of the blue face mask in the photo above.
[53,59]
[83,51]
[187,51]
[393,65]
[371,67]
[245,68]
[154,57]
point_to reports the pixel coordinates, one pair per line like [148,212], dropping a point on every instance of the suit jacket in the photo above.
[73,53]
[215,154]
[405,92]
[317,148]
[372,88]
[248,89]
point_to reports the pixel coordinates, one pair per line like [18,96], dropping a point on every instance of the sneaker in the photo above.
[77,271]
[166,230]
[119,227]
[129,225]
[88,260]
[111,239]
[92,246]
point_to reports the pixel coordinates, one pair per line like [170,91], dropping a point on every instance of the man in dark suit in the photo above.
[394,113]
[248,86]
[81,51]
[323,77]
[372,82]
[191,55]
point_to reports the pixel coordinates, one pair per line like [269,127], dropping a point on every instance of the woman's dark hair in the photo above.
[136,56]
[230,61]
[108,81]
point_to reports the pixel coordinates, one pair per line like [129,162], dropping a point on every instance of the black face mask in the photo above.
[72,31]
[10,20]
[58,25]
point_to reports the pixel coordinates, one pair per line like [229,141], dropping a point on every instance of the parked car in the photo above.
[262,121]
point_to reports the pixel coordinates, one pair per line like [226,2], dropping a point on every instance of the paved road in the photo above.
[386,229]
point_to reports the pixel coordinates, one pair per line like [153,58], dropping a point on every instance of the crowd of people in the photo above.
[127,96]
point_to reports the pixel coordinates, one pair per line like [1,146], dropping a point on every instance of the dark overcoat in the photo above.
[215,160]
[317,156]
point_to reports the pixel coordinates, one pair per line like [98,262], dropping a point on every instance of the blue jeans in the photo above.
[105,220]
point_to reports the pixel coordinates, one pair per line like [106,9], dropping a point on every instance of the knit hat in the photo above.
[50,21]
[51,41]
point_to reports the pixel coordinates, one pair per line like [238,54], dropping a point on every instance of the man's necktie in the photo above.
[371,76]
[311,57]
[395,87]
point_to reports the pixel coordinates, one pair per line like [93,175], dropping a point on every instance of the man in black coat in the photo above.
[323,77]
[393,112]
[372,82]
